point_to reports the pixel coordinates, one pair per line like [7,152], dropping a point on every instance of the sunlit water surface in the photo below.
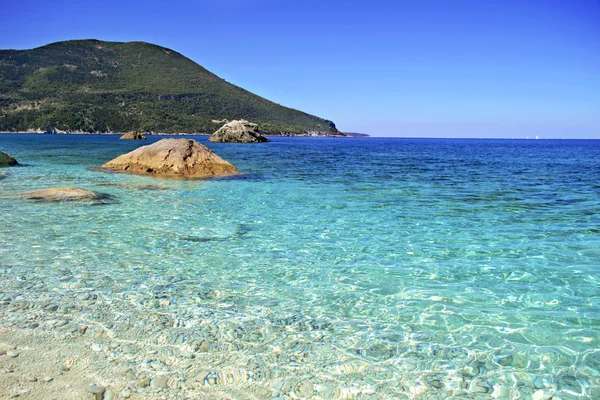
[388,267]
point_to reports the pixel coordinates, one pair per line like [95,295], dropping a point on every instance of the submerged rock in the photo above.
[7,160]
[240,131]
[176,157]
[133,136]
[63,194]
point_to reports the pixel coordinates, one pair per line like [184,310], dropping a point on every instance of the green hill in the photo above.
[95,86]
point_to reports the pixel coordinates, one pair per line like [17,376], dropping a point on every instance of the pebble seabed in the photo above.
[172,339]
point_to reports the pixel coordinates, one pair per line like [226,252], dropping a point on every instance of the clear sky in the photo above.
[453,68]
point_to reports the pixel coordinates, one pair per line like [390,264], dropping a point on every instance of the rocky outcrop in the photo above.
[63,194]
[7,160]
[240,131]
[133,136]
[175,157]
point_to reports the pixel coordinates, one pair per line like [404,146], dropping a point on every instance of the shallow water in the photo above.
[382,267]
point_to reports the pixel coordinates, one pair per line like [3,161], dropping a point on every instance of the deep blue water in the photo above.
[425,265]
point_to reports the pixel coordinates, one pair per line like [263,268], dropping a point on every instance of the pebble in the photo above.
[161,381]
[306,389]
[12,354]
[30,378]
[110,395]
[187,354]
[142,383]
[436,384]
[202,376]
[538,383]
[96,347]
[125,394]
[96,390]
[131,375]
[47,379]
[128,349]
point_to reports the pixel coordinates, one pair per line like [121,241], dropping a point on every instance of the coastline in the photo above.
[283,134]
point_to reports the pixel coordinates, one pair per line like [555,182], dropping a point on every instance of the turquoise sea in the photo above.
[369,268]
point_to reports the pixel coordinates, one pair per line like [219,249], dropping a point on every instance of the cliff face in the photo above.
[95,86]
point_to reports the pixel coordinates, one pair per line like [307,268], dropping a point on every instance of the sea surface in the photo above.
[373,268]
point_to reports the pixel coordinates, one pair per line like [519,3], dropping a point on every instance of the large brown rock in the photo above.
[133,136]
[176,157]
[240,131]
[7,160]
[63,194]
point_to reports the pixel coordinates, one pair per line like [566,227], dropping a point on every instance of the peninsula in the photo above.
[91,86]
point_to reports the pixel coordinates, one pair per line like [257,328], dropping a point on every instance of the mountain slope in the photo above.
[95,86]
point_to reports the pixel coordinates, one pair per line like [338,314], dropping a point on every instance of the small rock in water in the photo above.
[18,394]
[202,377]
[128,349]
[96,390]
[161,381]
[540,395]
[142,383]
[187,354]
[306,389]
[436,384]
[131,375]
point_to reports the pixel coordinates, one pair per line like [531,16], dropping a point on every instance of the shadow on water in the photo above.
[100,199]
[242,176]
[241,232]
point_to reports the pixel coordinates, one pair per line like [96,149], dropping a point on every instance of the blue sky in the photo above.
[477,68]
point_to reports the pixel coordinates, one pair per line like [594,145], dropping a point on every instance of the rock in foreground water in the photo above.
[240,131]
[63,194]
[175,157]
[133,136]
[7,160]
